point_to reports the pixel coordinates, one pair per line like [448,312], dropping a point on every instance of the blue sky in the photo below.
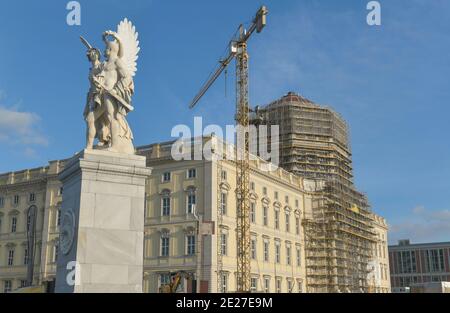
[389,82]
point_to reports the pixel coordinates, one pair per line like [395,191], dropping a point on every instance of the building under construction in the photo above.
[339,229]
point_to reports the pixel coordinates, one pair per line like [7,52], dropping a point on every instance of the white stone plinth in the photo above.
[103,193]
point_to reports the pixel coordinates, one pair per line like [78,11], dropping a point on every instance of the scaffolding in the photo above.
[339,230]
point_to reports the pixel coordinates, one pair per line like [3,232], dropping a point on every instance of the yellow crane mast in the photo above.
[238,51]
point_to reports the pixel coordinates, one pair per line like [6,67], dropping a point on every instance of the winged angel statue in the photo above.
[111,90]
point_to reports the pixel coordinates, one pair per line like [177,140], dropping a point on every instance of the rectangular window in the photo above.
[286,199]
[288,255]
[32,197]
[265,217]
[164,279]
[23,283]
[223,244]
[296,203]
[166,206]
[289,286]
[254,284]
[224,282]
[55,253]
[277,253]
[277,219]
[192,173]
[276,195]
[7,286]
[252,186]
[166,177]
[191,203]
[265,191]
[191,245]
[60,191]
[253,249]
[252,212]
[299,259]
[297,226]
[299,287]
[2,202]
[278,283]
[223,175]
[11,257]
[223,203]
[14,224]
[266,251]
[25,257]
[16,200]
[288,222]
[28,222]
[165,246]
[58,218]
[266,285]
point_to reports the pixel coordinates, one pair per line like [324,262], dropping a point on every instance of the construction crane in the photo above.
[238,51]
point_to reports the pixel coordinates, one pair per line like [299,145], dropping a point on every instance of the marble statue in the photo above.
[111,89]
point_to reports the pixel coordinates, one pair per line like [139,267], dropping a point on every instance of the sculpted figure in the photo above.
[112,87]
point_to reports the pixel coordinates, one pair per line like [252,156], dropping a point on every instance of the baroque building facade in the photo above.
[190,223]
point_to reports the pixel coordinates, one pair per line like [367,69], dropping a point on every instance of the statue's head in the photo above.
[112,49]
[93,54]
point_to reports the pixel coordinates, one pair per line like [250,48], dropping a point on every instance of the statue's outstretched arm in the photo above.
[117,38]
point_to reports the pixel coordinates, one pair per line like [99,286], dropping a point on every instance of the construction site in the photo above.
[339,234]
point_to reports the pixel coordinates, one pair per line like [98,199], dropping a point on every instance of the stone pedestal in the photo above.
[102,223]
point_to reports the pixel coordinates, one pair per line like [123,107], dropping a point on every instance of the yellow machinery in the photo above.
[238,51]
[175,281]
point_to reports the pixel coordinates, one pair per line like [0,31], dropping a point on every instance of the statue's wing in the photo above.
[130,45]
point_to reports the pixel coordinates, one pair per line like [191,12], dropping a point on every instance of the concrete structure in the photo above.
[340,232]
[102,225]
[379,279]
[413,264]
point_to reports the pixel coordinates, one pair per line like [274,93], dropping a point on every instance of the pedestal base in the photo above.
[102,223]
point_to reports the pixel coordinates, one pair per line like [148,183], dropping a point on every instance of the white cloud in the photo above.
[422,225]
[20,128]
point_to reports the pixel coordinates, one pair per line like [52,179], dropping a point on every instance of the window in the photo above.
[165,246]
[265,217]
[277,252]
[276,195]
[25,257]
[278,284]
[277,219]
[223,203]
[288,255]
[296,203]
[191,202]
[266,285]
[299,286]
[297,225]
[164,279]
[11,257]
[7,286]
[166,205]
[286,199]
[0,225]
[55,253]
[288,222]
[435,260]
[266,251]
[265,191]
[166,177]
[28,222]
[252,186]
[2,202]
[32,197]
[299,259]
[223,244]
[289,286]
[13,224]
[16,200]
[224,282]
[192,173]
[254,284]
[58,218]
[23,283]
[191,244]
[223,175]
[253,249]
[60,191]
[407,260]
[253,212]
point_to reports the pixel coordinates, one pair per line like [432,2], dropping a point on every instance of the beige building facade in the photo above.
[190,223]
